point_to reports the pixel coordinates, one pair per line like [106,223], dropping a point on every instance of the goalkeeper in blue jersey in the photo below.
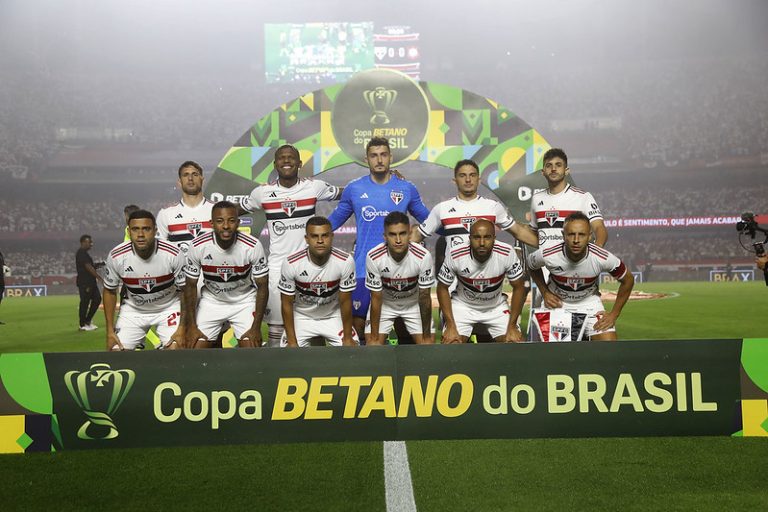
[371,198]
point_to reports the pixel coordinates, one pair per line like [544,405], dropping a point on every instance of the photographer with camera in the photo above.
[748,227]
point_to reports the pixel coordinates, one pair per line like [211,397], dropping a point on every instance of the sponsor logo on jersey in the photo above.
[369,213]
[456,240]
[385,269]
[272,194]
[452,210]
[208,257]
[364,195]
[551,217]
[148,283]
[396,197]
[288,207]
[178,216]
[129,269]
[304,274]
[465,270]
[541,203]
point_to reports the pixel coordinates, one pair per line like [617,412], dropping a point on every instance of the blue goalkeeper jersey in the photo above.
[371,202]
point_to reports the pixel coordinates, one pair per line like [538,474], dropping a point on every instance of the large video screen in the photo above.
[317,52]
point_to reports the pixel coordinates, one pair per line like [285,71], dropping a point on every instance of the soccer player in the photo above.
[231,264]
[87,284]
[574,271]
[287,203]
[399,275]
[370,198]
[480,267]
[457,215]
[550,207]
[316,286]
[152,270]
[182,222]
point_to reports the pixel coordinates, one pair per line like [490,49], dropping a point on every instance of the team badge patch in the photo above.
[148,283]
[576,282]
[551,217]
[288,207]
[557,325]
[224,272]
[318,288]
[482,284]
[195,227]
[396,197]
[467,222]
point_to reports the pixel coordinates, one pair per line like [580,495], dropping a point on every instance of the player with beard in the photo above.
[152,271]
[316,285]
[574,272]
[399,275]
[480,268]
[371,198]
[233,266]
[288,203]
[191,216]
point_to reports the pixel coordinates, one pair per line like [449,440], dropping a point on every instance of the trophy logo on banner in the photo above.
[99,392]
[380,100]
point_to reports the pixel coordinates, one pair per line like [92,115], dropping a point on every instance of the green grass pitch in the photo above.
[541,474]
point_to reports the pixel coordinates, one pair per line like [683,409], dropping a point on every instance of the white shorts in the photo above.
[132,325]
[411,317]
[211,313]
[495,319]
[273,314]
[306,328]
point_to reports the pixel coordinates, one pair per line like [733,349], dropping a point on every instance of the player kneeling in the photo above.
[316,284]
[575,267]
[480,268]
[399,276]
[235,282]
[151,271]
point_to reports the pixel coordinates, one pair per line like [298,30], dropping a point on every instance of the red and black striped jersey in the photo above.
[548,212]
[399,281]
[180,224]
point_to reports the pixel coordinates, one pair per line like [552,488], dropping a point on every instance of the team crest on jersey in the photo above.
[356,304]
[225,272]
[482,284]
[195,227]
[288,207]
[576,282]
[399,284]
[467,222]
[318,288]
[148,283]
[551,217]
[396,196]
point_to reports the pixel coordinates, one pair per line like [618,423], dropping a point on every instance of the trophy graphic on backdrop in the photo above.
[103,386]
[380,99]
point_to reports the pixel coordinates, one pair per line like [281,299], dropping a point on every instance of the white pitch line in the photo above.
[398,487]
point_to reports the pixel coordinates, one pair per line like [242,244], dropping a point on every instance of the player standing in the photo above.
[371,198]
[231,264]
[316,285]
[182,222]
[456,215]
[574,272]
[480,268]
[399,275]
[152,272]
[287,203]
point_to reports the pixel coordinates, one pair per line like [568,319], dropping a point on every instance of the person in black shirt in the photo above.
[2,279]
[86,283]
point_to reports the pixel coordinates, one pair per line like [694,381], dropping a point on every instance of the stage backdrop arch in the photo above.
[424,121]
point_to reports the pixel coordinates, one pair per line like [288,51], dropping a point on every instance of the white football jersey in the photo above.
[180,224]
[228,275]
[151,284]
[316,289]
[287,211]
[574,281]
[399,281]
[456,216]
[548,212]
[480,284]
